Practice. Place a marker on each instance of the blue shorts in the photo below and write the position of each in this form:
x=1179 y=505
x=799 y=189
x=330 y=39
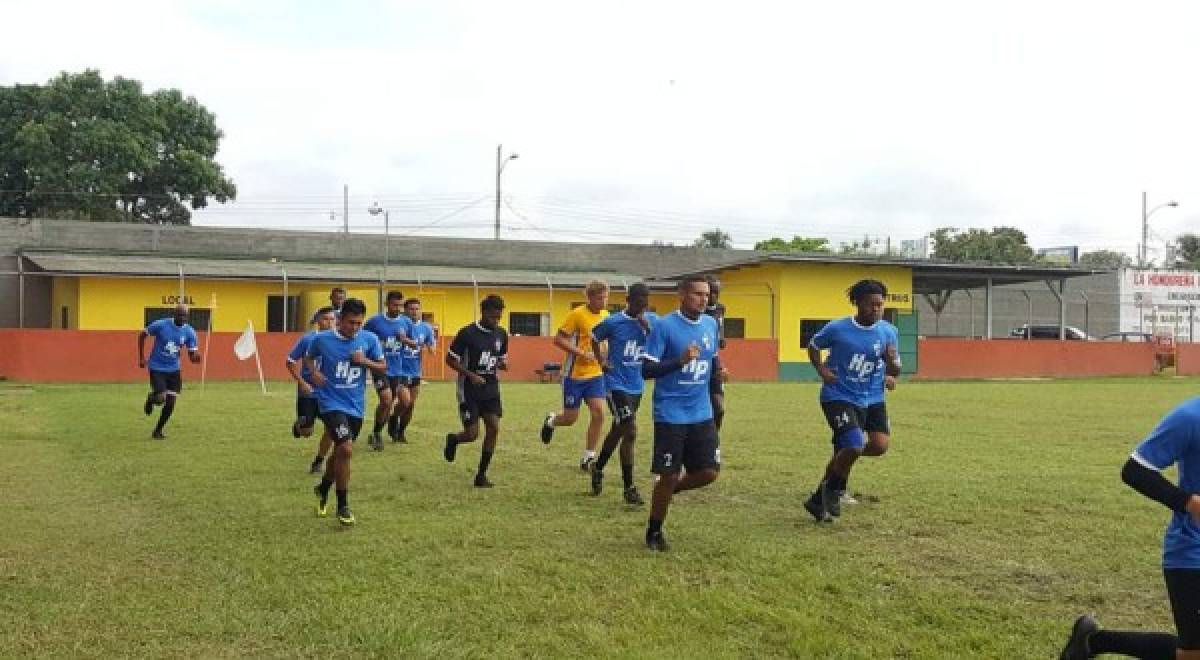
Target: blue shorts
x=575 y=392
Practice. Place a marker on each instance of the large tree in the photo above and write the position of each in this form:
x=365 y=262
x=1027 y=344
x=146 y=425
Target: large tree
x=797 y=244
x=1189 y=250
x=714 y=238
x=1002 y=245
x=80 y=147
x=1106 y=259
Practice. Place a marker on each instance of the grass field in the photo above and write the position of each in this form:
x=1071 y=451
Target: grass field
x=1000 y=516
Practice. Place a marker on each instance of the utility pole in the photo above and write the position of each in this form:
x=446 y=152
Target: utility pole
x=1145 y=233
x=346 y=208
x=501 y=161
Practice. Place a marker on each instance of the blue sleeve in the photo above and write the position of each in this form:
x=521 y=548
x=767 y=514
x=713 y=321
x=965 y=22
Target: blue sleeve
x=603 y=330
x=374 y=348
x=153 y=328
x=191 y=338
x=825 y=336
x=371 y=325
x=406 y=328
x=430 y=339
x=299 y=349
x=656 y=343
x=1169 y=441
x=311 y=349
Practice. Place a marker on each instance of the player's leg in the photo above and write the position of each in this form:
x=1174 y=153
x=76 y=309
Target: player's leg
x=667 y=461
x=402 y=401
x=346 y=432
x=628 y=443
x=848 y=442
x=323 y=447
x=414 y=391
x=595 y=403
x=716 y=396
x=616 y=432
x=158 y=389
x=174 y=384
x=572 y=399
x=382 y=411
x=468 y=411
x=491 y=433
x=1088 y=640
x=701 y=457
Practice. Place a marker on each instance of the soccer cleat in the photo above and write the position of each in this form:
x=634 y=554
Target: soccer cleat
x=816 y=508
x=597 y=481
x=345 y=516
x=585 y=464
x=375 y=440
x=158 y=435
x=846 y=498
x=317 y=464
x=1077 y=644
x=481 y=481
x=451 y=447
x=322 y=502
x=149 y=407
x=394 y=435
x=548 y=428
x=633 y=497
x=657 y=542
x=831 y=499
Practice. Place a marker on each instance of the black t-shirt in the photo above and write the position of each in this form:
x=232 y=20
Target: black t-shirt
x=717 y=311
x=479 y=350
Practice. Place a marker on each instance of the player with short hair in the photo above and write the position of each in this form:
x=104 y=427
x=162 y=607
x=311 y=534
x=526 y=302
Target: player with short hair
x=171 y=335
x=392 y=328
x=337 y=360
x=716 y=385
x=625 y=335
x=337 y=296
x=477 y=352
x=306 y=399
x=1174 y=441
x=583 y=378
x=863 y=361
x=679 y=355
x=421 y=339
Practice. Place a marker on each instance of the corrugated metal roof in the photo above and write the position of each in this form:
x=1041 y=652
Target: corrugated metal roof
x=143 y=266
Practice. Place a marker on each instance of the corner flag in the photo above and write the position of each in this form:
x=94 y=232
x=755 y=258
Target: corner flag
x=246 y=346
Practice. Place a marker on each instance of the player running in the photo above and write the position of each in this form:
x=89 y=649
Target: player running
x=862 y=362
x=716 y=385
x=478 y=351
x=421 y=339
x=306 y=398
x=679 y=354
x=337 y=361
x=625 y=333
x=166 y=381
x=392 y=328
x=583 y=378
x=1175 y=441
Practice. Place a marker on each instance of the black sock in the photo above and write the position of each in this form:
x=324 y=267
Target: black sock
x=627 y=474
x=653 y=528
x=379 y=424
x=168 y=408
x=485 y=459
x=343 y=498
x=391 y=424
x=325 y=486
x=1146 y=645
x=402 y=423
x=838 y=484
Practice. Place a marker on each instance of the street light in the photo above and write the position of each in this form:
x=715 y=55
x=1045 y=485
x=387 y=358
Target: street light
x=500 y=163
x=1146 y=226
x=376 y=209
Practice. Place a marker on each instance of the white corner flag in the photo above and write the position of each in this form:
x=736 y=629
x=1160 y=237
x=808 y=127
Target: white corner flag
x=245 y=346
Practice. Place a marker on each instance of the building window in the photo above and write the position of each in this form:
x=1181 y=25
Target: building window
x=808 y=328
x=275 y=320
x=197 y=316
x=65 y=318
x=528 y=324
x=735 y=328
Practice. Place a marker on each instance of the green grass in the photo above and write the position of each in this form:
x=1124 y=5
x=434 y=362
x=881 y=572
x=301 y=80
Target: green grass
x=1000 y=516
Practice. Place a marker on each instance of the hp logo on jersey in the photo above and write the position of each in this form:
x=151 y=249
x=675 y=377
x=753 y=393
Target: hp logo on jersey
x=171 y=348
x=487 y=361
x=860 y=368
x=694 y=372
x=347 y=373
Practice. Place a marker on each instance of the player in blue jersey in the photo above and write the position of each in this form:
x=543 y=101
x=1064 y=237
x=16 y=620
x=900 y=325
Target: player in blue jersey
x=625 y=335
x=392 y=328
x=1175 y=441
x=306 y=398
x=679 y=355
x=421 y=339
x=862 y=362
x=166 y=382
x=477 y=352
x=338 y=361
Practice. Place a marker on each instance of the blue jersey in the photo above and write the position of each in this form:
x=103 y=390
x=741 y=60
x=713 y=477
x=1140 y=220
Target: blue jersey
x=297 y=355
x=681 y=397
x=410 y=358
x=626 y=348
x=387 y=330
x=1176 y=440
x=856 y=358
x=344 y=380
x=169 y=340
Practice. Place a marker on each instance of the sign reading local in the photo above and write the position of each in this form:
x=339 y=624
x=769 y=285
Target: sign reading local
x=177 y=300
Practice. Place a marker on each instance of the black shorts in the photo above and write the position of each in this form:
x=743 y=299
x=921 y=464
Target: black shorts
x=1183 y=588
x=842 y=415
x=306 y=411
x=471 y=408
x=392 y=383
x=623 y=406
x=166 y=381
x=715 y=385
x=409 y=381
x=691 y=446
x=341 y=427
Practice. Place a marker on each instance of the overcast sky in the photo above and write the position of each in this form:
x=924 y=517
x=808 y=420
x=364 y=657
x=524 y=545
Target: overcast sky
x=644 y=121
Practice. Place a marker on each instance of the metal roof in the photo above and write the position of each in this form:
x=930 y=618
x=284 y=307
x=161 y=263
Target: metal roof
x=94 y=265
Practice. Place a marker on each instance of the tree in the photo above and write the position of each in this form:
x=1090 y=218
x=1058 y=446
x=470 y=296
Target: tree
x=714 y=238
x=1189 y=250
x=1003 y=245
x=797 y=244
x=1106 y=259
x=79 y=147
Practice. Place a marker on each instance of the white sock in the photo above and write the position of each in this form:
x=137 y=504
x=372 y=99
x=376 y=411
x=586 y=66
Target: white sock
x=588 y=453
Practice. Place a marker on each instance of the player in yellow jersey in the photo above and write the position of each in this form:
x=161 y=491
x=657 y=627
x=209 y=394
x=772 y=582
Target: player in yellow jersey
x=583 y=375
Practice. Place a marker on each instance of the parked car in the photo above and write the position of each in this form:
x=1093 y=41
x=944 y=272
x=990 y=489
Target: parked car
x=1027 y=331
x=1139 y=337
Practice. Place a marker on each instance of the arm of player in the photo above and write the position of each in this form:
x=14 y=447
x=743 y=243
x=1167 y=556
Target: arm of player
x=891 y=360
x=142 y=349
x=361 y=359
x=719 y=370
x=456 y=364
x=318 y=378
x=652 y=368
x=300 y=382
x=562 y=341
x=1150 y=483
x=826 y=374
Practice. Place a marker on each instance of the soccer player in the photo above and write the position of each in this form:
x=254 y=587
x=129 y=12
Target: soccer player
x=306 y=398
x=337 y=296
x=583 y=378
x=625 y=333
x=337 y=361
x=1175 y=441
x=716 y=385
x=478 y=351
x=166 y=382
x=862 y=361
x=392 y=328
x=679 y=354
x=421 y=339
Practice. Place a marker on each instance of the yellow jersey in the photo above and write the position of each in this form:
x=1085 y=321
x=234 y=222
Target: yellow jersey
x=578 y=326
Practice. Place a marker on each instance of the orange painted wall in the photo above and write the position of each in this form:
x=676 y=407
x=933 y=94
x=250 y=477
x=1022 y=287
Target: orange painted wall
x=111 y=356
x=1187 y=359
x=948 y=359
